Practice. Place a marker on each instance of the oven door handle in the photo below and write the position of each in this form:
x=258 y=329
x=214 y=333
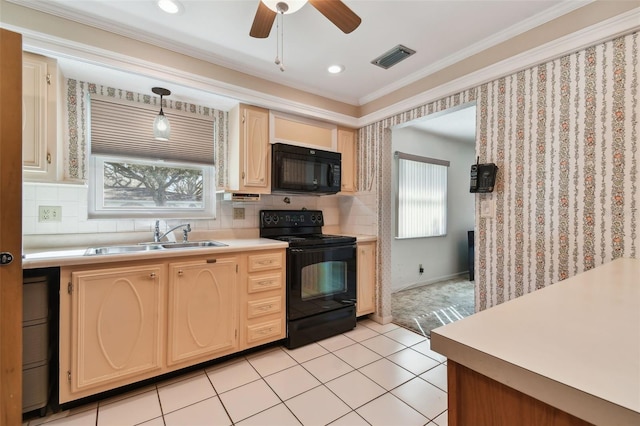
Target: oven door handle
x=327 y=247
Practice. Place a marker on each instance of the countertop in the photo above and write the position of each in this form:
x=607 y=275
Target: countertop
x=75 y=256
x=574 y=345
x=69 y=256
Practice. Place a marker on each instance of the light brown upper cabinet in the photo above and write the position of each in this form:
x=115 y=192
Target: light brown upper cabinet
x=347 y=147
x=302 y=131
x=249 y=150
x=39 y=119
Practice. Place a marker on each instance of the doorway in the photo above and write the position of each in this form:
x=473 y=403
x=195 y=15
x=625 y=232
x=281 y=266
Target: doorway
x=431 y=283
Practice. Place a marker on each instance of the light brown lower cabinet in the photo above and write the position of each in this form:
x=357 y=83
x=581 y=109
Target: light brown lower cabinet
x=263 y=299
x=366 y=278
x=124 y=322
x=112 y=327
x=203 y=309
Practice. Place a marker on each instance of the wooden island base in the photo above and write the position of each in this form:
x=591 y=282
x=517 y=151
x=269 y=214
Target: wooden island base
x=475 y=399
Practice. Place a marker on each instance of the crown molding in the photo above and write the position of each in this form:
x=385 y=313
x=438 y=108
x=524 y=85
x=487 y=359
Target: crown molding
x=504 y=35
x=606 y=30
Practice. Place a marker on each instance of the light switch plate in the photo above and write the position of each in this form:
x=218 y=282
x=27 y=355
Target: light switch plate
x=49 y=213
x=487 y=208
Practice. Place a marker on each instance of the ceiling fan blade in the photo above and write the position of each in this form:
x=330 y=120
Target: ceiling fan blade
x=338 y=13
x=262 y=22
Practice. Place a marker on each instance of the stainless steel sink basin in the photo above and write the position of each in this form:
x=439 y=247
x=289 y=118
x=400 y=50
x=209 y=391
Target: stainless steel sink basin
x=193 y=244
x=94 y=251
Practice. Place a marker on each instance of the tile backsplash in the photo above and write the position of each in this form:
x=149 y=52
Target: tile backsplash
x=352 y=214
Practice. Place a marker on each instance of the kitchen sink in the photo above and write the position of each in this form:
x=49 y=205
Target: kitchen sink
x=92 y=251
x=193 y=244
x=137 y=248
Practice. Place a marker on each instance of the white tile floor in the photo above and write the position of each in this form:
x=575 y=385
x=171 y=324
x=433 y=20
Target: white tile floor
x=373 y=375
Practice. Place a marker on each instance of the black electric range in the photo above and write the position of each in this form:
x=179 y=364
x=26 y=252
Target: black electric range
x=321 y=275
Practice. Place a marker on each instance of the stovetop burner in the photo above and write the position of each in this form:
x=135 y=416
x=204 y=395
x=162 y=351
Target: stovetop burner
x=298 y=227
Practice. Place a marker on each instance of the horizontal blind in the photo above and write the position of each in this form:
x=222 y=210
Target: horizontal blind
x=422 y=197
x=127 y=130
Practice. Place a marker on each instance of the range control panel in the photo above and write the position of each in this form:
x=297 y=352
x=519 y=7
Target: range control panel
x=290 y=218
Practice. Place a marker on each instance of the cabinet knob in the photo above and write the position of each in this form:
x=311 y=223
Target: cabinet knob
x=180 y=273
x=152 y=275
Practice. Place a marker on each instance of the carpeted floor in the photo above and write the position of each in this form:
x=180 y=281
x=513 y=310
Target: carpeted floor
x=427 y=307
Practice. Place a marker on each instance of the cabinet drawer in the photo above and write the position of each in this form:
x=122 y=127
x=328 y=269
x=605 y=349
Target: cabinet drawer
x=35 y=388
x=258 y=308
x=264 y=282
x=266 y=261
x=34 y=300
x=35 y=344
x=264 y=330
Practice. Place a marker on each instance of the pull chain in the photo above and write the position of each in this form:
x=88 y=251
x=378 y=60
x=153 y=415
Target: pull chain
x=280 y=41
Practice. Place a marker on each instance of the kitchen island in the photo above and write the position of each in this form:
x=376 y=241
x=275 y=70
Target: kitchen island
x=568 y=354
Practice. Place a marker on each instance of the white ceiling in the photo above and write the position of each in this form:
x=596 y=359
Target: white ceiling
x=459 y=124
x=442 y=33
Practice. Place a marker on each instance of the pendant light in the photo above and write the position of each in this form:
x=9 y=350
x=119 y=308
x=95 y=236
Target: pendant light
x=161 y=126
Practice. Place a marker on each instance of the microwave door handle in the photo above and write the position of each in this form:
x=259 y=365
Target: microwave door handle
x=330 y=177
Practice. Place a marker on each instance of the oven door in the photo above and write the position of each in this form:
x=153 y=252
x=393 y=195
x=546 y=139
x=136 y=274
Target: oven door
x=320 y=279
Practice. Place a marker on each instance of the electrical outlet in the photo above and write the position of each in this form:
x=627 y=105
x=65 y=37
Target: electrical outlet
x=238 y=213
x=49 y=213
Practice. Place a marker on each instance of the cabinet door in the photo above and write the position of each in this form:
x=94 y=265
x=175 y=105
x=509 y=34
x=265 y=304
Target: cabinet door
x=117 y=325
x=347 y=147
x=256 y=170
x=39 y=79
x=366 y=278
x=203 y=310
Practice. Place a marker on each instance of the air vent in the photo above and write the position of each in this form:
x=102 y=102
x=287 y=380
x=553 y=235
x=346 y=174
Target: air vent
x=393 y=56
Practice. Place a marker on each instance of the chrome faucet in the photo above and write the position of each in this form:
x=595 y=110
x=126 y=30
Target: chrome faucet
x=185 y=232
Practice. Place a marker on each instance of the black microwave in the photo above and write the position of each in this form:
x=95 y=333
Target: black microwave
x=296 y=169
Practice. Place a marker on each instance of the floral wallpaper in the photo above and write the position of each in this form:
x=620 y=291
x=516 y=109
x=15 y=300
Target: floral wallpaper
x=564 y=135
x=76 y=149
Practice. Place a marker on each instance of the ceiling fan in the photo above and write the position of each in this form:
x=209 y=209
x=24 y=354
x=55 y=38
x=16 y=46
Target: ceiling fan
x=334 y=10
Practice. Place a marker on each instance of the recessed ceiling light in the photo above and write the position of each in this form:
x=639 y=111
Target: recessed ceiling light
x=170 y=6
x=335 y=69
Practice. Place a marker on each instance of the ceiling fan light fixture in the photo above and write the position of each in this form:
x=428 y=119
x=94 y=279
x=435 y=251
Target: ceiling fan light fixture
x=170 y=6
x=161 y=126
x=284 y=6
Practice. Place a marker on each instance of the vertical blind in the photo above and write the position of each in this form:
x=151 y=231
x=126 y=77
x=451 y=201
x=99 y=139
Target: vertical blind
x=422 y=196
x=127 y=130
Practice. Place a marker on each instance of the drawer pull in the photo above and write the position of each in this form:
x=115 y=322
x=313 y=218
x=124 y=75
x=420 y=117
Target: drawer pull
x=264 y=282
x=266 y=262
x=212 y=260
x=265 y=330
x=265 y=307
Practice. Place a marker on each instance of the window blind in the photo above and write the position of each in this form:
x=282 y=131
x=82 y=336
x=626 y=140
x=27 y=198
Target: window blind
x=127 y=130
x=422 y=196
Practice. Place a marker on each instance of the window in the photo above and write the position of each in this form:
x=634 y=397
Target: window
x=138 y=188
x=133 y=175
x=422 y=196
